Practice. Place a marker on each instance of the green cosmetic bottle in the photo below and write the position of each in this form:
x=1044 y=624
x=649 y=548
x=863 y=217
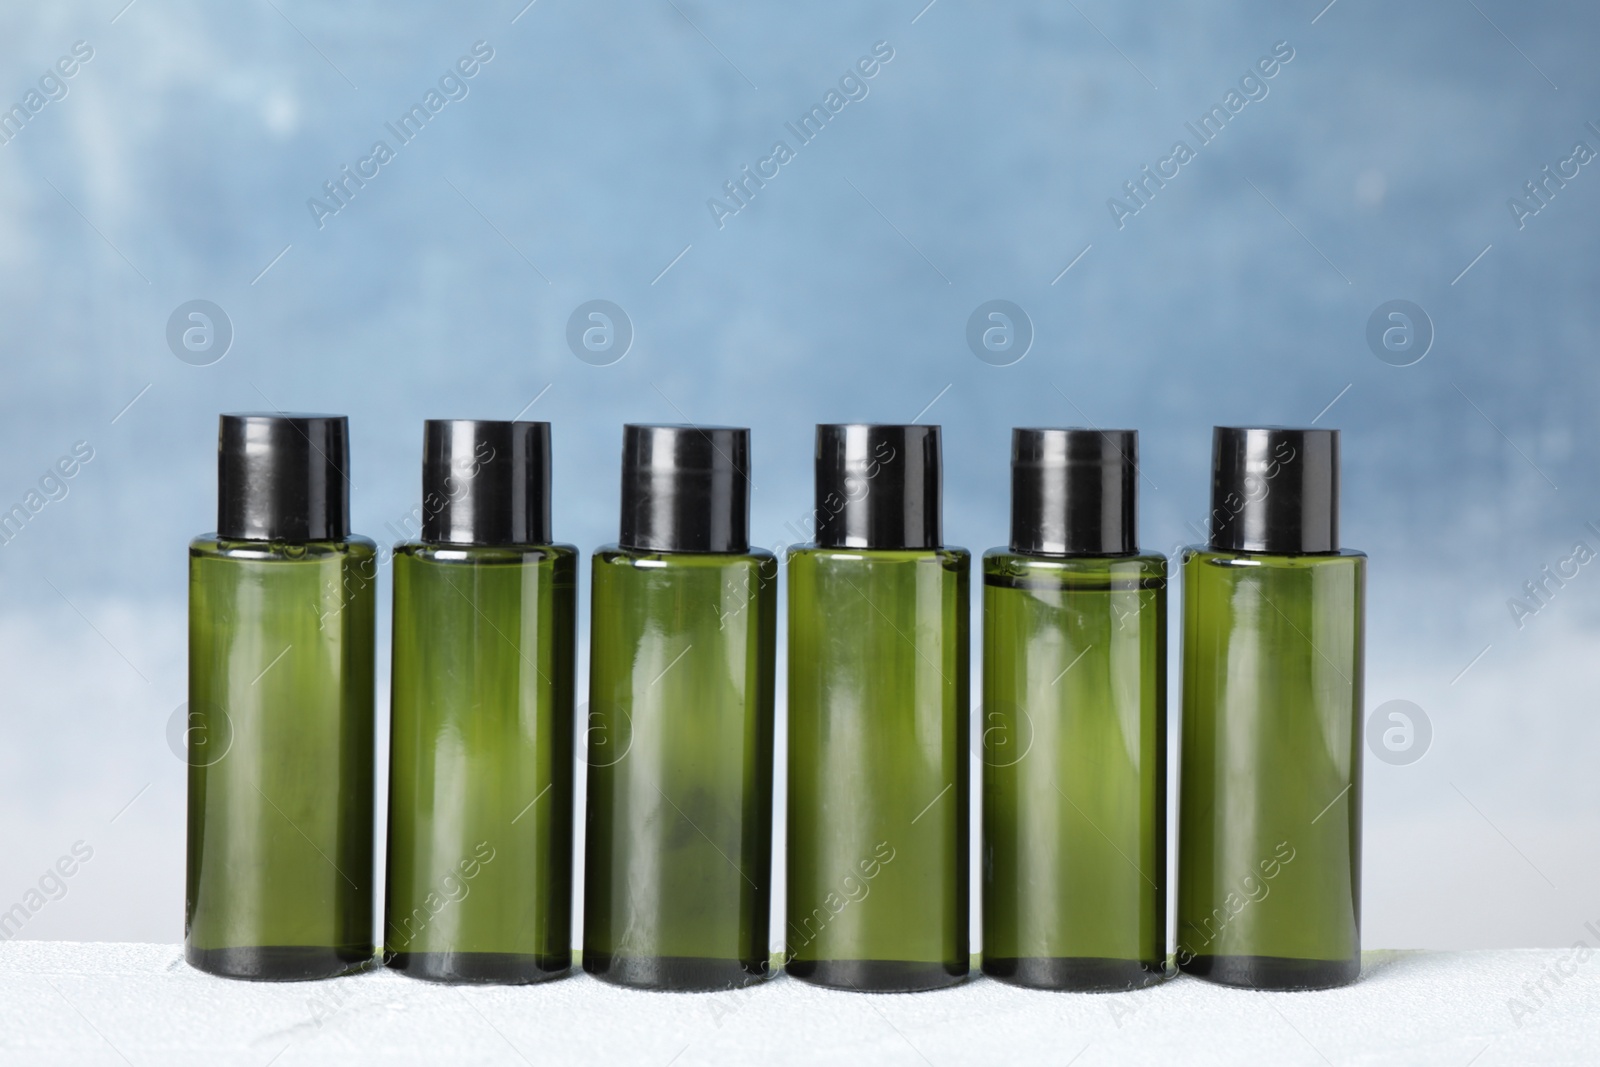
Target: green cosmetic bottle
x=1269 y=814
x=878 y=725
x=678 y=848
x=1074 y=723
x=280 y=863
x=479 y=885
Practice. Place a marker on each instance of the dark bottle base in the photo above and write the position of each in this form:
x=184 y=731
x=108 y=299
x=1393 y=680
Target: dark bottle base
x=279 y=963
x=1079 y=974
x=688 y=974
x=1273 y=972
x=489 y=968
x=879 y=976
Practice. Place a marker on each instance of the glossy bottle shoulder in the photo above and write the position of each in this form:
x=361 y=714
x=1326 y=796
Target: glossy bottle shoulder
x=950 y=557
x=615 y=556
x=210 y=546
x=486 y=555
x=1204 y=556
x=1003 y=568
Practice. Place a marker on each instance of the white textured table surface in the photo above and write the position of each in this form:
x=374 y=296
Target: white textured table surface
x=73 y=1003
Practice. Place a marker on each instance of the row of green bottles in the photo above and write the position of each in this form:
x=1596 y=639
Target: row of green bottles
x=1268 y=876
x=679 y=727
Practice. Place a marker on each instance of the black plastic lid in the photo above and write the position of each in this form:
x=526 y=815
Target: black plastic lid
x=1274 y=489
x=685 y=489
x=1074 y=492
x=283 y=477
x=878 y=486
x=485 y=482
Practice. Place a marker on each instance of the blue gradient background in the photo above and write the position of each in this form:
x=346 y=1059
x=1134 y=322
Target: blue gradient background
x=579 y=165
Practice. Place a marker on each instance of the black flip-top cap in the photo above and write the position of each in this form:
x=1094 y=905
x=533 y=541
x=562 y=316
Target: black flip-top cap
x=1274 y=489
x=485 y=482
x=1074 y=492
x=685 y=489
x=283 y=477
x=878 y=486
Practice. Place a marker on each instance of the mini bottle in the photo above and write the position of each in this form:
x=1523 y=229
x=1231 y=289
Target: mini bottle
x=479 y=885
x=1269 y=813
x=280 y=738
x=878 y=701
x=1074 y=723
x=678 y=848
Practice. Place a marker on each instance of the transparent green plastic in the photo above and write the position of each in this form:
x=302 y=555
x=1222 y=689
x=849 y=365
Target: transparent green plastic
x=878 y=804
x=479 y=885
x=678 y=854
x=1075 y=770
x=1269 y=828
x=280 y=742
